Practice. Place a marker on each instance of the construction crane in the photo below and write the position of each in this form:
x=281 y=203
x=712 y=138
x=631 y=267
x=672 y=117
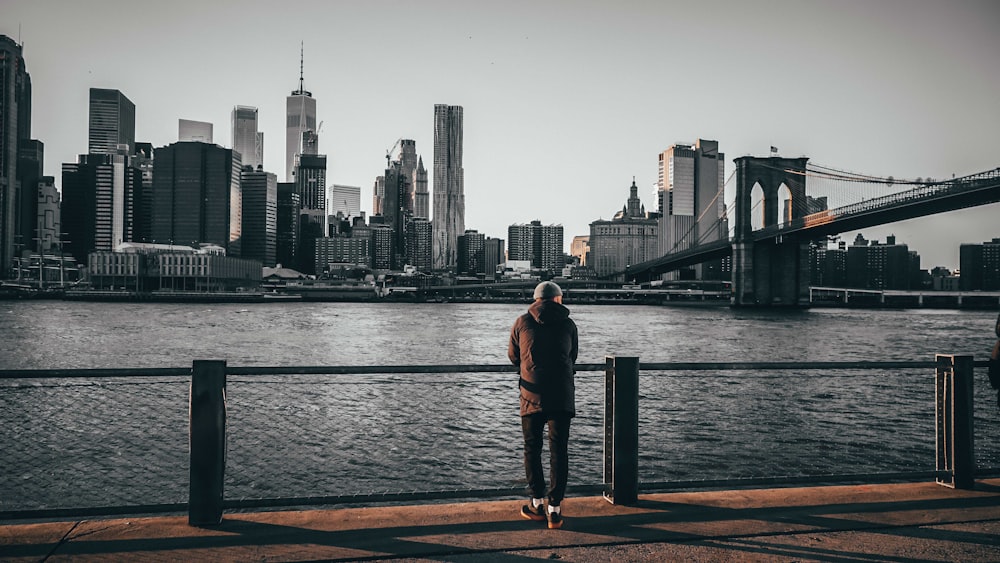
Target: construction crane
x=388 y=152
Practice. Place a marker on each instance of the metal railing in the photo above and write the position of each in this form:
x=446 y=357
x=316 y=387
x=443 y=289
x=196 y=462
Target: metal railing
x=208 y=432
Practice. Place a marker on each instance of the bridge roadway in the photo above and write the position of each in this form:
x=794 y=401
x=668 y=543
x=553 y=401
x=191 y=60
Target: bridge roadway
x=909 y=522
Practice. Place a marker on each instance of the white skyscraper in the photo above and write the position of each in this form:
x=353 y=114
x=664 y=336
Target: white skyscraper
x=247 y=140
x=300 y=123
x=190 y=130
x=345 y=200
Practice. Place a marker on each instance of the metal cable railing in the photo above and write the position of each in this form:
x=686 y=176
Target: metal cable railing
x=311 y=380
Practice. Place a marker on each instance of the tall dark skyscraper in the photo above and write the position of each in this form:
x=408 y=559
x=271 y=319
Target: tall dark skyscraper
x=196 y=195
x=99 y=194
x=260 y=215
x=15 y=129
x=449 y=185
x=112 y=121
x=289 y=206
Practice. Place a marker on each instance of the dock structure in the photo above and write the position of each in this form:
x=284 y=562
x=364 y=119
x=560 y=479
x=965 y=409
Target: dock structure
x=891 y=522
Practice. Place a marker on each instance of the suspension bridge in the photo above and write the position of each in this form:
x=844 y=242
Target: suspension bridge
x=774 y=221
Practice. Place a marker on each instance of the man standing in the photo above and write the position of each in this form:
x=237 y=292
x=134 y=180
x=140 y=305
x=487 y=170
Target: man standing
x=543 y=345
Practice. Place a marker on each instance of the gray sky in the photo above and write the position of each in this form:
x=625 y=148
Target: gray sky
x=564 y=101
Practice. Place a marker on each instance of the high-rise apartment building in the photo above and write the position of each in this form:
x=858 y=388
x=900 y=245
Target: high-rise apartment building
x=979 y=265
x=691 y=201
x=112 y=121
x=198 y=131
x=542 y=245
x=419 y=243
x=247 y=140
x=873 y=265
x=630 y=237
x=345 y=201
x=99 y=190
x=15 y=128
x=142 y=158
x=300 y=123
x=197 y=196
x=260 y=215
x=470 y=252
x=449 y=185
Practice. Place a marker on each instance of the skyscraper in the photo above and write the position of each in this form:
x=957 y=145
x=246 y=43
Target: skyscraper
x=630 y=237
x=449 y=185
x=247 y=140
x=300 y=118
x=100 y=192
x=260 y=215
x=691 y=201
x=112 y=121
x=15 y=128
x=196 y=196
x=421 y=197
x=310 y=184
x=345 y=200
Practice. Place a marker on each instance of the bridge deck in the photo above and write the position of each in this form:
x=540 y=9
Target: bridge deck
x=911 y=522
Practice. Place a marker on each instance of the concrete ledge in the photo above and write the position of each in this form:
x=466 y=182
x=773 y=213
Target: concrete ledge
x=900 y=522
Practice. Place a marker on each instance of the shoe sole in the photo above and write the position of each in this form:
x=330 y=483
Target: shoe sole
x=533 y=517
x=555 y=525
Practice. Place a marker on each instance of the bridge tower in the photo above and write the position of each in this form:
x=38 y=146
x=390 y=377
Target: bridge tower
x=771 y=272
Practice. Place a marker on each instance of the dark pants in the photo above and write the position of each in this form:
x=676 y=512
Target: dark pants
x=532 y=425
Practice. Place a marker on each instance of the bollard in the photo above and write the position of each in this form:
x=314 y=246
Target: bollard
x=621 y=429
x=207 y=442
x=954 y=438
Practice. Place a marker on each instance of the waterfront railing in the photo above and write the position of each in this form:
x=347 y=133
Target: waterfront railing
x=629 y=434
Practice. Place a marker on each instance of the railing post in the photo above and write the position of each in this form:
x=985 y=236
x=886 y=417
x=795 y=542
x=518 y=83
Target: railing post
x=207 y=442
x=621 y=429
x=954 y=416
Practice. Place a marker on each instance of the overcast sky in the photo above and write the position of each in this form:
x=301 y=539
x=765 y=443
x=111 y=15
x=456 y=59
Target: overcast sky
x=564 y=101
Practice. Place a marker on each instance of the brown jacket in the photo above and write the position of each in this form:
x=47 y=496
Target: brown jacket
x=544 y=345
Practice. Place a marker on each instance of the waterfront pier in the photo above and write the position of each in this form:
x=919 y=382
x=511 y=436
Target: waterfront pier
x=950 y=511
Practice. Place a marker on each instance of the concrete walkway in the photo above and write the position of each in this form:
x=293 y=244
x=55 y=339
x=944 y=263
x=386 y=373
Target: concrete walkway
x=914 y=522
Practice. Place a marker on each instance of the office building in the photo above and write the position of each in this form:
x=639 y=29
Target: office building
x=494 y=254
x=247 y=140
x=112 y=122
x=378 y=195
x=421 y=197
x=30 y=163
x=300 y=118
x=449 y=185
x=198 y=131
x=345 y=201
x=630 y=237
x=99 y=190
x=310 y=184
x=15 y=128
x=343 y=249
x=144 y=267
x=49 y=215
x=692 y=203
x=287 y=240
x=260 y=215
x=579 y=248
x=197 y=196
x=142 y=158
x=541 y=245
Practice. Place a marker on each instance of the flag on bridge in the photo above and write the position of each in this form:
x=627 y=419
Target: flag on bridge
x=774 y=149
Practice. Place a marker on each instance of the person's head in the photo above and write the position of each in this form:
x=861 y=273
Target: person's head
x=548 y=291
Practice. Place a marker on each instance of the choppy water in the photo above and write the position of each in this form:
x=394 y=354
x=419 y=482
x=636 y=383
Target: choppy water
x=124 y=441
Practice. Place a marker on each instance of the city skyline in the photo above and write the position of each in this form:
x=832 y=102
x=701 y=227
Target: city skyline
x=564 y=103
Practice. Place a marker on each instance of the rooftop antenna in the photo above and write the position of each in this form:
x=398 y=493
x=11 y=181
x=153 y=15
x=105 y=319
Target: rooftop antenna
x=302 y=59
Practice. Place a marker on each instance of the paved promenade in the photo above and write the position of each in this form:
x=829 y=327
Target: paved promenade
x=902 y=523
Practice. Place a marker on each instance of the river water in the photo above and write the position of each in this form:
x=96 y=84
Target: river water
x=123 y=441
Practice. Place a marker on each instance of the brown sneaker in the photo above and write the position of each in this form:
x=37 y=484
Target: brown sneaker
x=532 y=513
x=555 y=520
